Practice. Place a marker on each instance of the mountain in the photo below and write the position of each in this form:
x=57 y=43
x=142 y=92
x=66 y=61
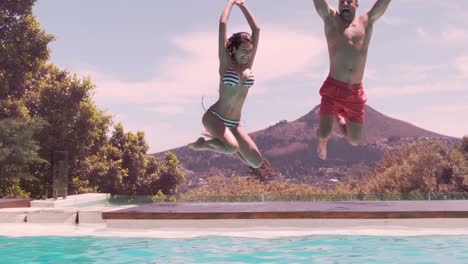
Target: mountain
x=290 y=147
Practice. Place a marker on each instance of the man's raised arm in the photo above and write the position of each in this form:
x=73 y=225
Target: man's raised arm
x=324 y=10
x=377 y=10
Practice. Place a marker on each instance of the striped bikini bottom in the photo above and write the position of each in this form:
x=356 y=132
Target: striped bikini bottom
x=227 y=122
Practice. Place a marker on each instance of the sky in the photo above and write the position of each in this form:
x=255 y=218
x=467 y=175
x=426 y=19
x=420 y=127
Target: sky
x=153 y=61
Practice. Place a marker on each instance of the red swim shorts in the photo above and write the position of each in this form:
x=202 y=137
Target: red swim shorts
x=339 y=98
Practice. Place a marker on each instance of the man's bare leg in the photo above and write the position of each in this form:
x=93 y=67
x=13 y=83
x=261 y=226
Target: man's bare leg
x=323 y=133
x=351 y=130
x=353 y=133
x=321 y=146
x=342 y=124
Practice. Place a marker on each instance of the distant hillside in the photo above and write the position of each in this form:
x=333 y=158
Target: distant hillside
x=290 y=147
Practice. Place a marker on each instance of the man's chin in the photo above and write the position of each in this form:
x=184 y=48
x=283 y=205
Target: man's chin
x=347 y=17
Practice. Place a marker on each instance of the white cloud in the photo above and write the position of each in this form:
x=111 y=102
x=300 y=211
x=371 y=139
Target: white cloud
x=120 y=117
x=370 y=74
x=421 y=32
x=441 y=5
x=414 y=72
x=109 y=89
x=285 y=51
x=444 y=122
x=165 y=109
x=448 y=108
x=318 y=73
x=454 y=35
x=423 y=88
x=181 y=78
x=190 y=70
x=255 y=126
x=162 y=136
x=461 y=63
x=392 y=20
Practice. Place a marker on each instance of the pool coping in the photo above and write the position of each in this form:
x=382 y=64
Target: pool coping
x=71 y=200
x=238 y=228
x=295 y=210
x=14 y=203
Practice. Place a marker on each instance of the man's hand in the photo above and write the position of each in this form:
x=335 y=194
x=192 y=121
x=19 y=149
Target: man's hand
x=239 y=2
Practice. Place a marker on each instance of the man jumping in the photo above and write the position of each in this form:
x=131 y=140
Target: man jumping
x=343 y=98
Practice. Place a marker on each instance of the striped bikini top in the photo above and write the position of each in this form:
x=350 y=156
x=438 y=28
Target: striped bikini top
x=231 y=78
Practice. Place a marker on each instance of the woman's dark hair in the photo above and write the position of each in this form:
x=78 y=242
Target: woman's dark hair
x=236 y=40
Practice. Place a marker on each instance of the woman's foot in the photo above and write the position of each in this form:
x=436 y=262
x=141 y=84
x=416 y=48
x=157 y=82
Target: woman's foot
x=207 y=134
x=197 y=145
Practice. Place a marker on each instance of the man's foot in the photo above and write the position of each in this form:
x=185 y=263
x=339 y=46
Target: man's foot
x=197 y=145
x=321 y=147
x=342 y=124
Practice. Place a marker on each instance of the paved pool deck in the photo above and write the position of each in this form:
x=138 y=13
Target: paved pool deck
x=246 y=219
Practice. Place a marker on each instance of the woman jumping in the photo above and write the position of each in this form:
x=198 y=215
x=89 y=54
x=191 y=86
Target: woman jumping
x=221 y=120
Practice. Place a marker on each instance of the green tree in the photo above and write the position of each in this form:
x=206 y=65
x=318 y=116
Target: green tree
x=74 y=122
x=133 y=150
x=70 y=121
x=428 y=167
x=464 y=146
x=117 y=165
x=23 y=49
x=121 y=167
x=219 y=188
x=170 y=174
x=149 y=184
x=101 y=172
x=18 y=152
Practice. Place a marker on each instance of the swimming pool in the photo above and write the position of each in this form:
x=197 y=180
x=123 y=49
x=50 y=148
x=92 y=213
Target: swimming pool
x=220 y=249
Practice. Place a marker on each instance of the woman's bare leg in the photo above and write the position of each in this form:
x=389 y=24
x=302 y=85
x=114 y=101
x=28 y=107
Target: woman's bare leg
x=248 y=151
x=223 y=140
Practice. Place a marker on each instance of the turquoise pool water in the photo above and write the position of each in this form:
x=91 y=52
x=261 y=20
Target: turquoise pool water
x=310 y=249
